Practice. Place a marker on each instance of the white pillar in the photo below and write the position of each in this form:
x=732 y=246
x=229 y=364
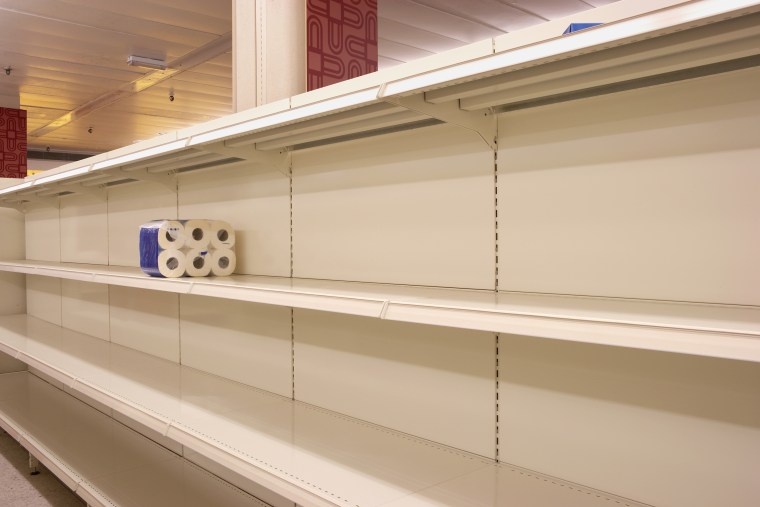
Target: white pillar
x=11 y=101
x=268 y=51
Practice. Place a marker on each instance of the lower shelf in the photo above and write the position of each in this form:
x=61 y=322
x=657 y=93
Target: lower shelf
x=308 y=455
x=104 y=462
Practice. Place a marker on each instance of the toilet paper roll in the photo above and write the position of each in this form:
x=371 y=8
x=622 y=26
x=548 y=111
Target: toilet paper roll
x=164 y=233
x=223 y=262
x=197 y=233
x=157 y=237
x=168 y=264
x=222 y=234
x=197 y=262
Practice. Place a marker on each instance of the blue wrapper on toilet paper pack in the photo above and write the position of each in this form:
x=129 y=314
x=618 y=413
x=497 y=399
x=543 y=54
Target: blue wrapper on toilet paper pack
x=160 y=248
x=196 y=247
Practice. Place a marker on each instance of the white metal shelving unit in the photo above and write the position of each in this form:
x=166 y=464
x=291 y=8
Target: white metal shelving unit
x=310 y=455
x=453 y=344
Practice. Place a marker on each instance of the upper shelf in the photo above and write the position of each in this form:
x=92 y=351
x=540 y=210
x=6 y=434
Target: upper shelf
x=465 y=87
x=731 y=332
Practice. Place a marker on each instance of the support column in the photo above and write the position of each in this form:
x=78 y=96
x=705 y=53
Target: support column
x=268 y=51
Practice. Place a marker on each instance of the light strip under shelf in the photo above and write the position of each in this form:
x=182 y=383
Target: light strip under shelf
x=63 y=175
x=16 y=188
x=142 y=154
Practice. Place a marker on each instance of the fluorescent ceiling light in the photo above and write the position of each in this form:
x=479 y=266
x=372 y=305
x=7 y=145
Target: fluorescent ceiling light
x=62 y=176
x=142 y=154
x=298 y=113
x=144 y=61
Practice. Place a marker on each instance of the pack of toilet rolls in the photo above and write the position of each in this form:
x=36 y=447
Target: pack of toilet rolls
x=174 y=248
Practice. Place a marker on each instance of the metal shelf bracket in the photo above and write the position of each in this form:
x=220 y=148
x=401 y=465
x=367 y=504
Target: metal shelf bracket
x=277 y=160
x=166 y=179
x=97 y=191
x=483 y=122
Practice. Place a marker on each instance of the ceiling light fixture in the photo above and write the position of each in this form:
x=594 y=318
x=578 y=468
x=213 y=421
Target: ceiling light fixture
x=137 y=155
x=144 y=61
x=62 y=175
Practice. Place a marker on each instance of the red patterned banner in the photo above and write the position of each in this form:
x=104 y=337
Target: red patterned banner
x=12 y=143
x=341 y=37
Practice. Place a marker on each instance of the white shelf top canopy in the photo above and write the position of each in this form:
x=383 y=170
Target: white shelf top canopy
x=633 y=48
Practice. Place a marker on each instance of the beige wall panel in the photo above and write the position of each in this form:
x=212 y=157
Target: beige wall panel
x=13 y=290
x=43 y=298
x=434 y=382
x=129 y=207
x=84 y=230
x=255 y=202
x=9 y=364
x=12 y=227
x=645 y=194
x=12 y=285
x=413 y=208
x=43 y=235
x=84 y=308
x=146 y=320
x=245 y=342
x=660 y=428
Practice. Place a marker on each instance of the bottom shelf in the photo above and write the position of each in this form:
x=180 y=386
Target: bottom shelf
x=307 y=455
x=104 y=462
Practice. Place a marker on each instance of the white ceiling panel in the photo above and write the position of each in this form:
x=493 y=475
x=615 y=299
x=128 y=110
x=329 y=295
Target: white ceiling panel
x=94 y=17
x=210 y=16
x=599 y=3
x=552 y=9
x=435 y=19
x=496 y=15
x=405 y=33
x=399 y=51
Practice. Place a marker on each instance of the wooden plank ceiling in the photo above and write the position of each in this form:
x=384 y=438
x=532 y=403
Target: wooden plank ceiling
x=69 y=57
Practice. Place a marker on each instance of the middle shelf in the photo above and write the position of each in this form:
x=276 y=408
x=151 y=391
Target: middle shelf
x=309 y=455
x=724 y=331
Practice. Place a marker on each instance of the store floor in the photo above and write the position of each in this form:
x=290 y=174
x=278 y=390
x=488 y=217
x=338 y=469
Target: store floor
x=20 y=489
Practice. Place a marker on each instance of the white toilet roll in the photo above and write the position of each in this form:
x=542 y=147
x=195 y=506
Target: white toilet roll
x=197 y=262
x=223 y=262
x=222 y=234
x=171 y=263
x=166 y=233
x=197 y=233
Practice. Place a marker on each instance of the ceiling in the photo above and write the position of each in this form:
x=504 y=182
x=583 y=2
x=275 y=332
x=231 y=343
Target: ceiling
x=69 y=70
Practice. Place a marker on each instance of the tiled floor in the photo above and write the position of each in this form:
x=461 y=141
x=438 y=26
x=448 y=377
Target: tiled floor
x=20 y=489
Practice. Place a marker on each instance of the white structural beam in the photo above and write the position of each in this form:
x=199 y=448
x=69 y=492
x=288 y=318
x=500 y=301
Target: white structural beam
x=268 y=51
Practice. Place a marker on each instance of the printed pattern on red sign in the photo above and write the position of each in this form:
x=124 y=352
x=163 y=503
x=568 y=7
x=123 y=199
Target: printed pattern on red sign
x=341 y=38
x=12 y=143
